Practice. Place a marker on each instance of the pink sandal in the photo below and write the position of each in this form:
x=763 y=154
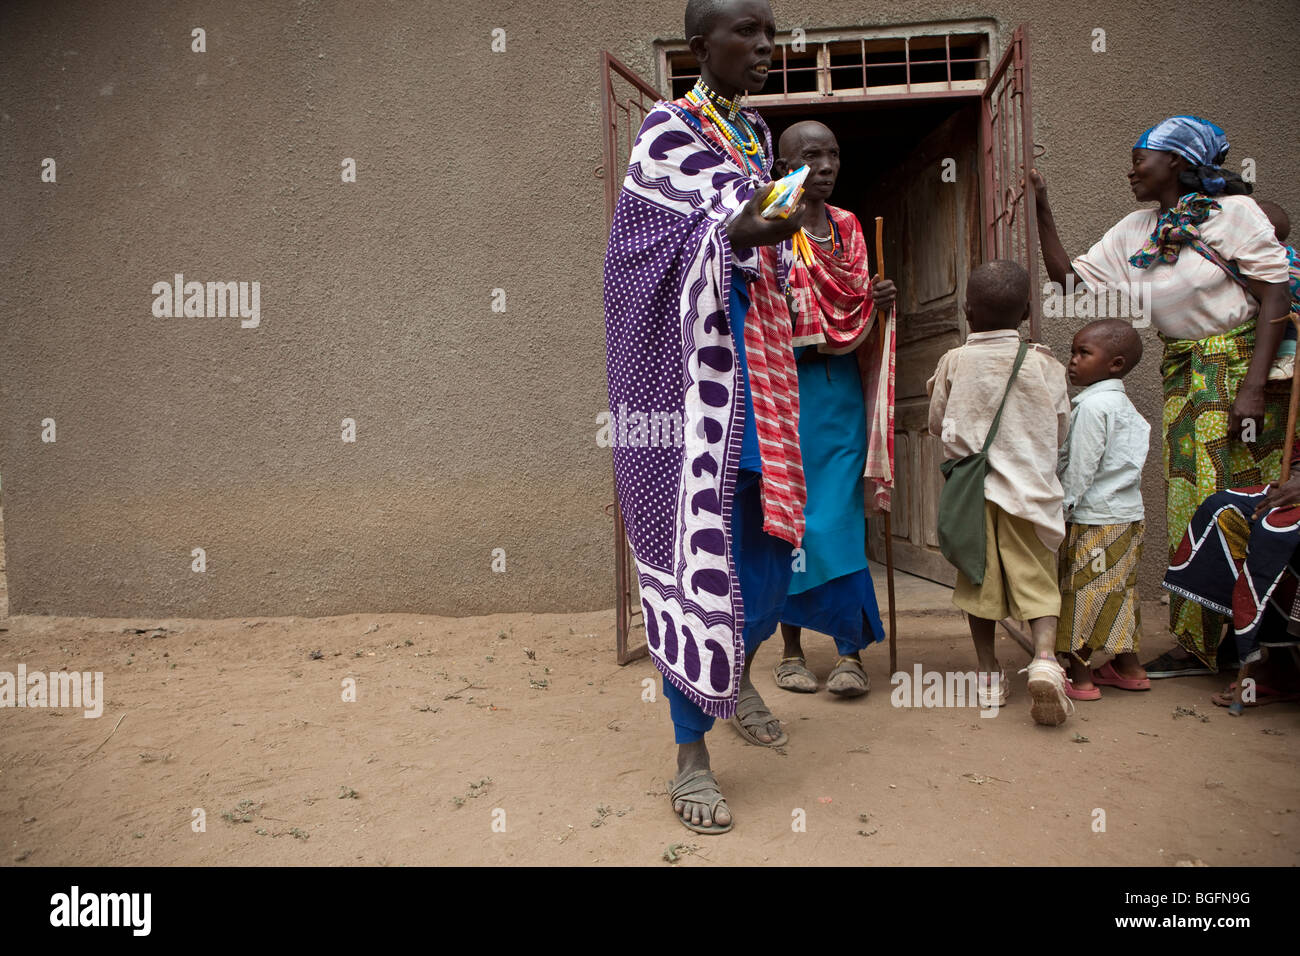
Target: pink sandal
x=1093 y=693
x=1107 y=676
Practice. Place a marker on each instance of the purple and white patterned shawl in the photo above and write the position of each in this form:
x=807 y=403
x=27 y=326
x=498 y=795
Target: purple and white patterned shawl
x=671 y=358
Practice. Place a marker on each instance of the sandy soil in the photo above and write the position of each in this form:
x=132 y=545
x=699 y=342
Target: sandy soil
x=526 y=720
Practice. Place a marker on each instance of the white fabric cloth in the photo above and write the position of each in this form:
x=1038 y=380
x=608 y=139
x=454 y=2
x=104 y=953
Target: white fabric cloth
x=1192 y=298
x=1100 y=466
x=964 y=394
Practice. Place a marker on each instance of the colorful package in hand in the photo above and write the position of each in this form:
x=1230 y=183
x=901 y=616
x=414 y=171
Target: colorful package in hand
x=785 y=195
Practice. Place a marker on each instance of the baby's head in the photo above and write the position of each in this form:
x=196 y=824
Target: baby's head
x=997 y=296
x=1278 y=217
x=1107 y=348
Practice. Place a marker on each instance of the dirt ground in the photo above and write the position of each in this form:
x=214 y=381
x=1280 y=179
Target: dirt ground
x=517 y=739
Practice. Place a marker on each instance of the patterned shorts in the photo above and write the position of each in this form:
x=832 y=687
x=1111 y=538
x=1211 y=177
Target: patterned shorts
x=1099 y=599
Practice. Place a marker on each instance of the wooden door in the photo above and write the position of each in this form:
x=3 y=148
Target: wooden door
x=946 y=229
x=931 y=198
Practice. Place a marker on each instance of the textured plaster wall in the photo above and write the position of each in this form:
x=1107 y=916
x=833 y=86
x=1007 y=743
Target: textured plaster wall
x=476 y=171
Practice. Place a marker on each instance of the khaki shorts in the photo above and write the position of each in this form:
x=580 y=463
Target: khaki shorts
x=1019 y=573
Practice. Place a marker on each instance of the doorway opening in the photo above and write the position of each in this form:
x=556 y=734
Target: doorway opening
x=914 y=162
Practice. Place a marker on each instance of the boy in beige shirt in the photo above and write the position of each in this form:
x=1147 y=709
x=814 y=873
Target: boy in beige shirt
x=1023 y=517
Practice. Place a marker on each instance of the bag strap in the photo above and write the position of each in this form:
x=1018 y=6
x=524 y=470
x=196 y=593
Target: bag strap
x=1209 y=252
x=997 y=419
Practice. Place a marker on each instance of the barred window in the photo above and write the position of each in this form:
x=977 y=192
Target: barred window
x=862 y=64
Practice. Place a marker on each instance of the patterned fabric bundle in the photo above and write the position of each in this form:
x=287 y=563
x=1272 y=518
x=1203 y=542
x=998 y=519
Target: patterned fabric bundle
x=1201 y=378
x=1235 y=567
x=1099 y=599
x=1284 y=364
x=1177 y=227
x=1293 y=277
x=671 y=355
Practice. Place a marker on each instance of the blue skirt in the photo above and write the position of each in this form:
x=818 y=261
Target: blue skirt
x=843 y=607
x=833 y=445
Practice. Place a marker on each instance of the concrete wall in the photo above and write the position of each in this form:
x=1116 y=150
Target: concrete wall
x=475 y=429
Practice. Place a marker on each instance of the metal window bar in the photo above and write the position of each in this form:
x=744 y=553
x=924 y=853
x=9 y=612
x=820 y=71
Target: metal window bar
x=681 y=68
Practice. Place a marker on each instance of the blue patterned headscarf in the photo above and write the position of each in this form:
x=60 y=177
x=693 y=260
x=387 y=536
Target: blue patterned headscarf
x=1198 y=141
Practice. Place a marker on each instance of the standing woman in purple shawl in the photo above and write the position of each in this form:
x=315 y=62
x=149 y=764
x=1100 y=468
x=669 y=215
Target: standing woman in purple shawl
x=714 y=509
x=1214 y=282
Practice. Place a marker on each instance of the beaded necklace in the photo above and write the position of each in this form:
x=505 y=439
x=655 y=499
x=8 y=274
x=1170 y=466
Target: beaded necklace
x=705 y=92
x=803 y=248
x=747 y=146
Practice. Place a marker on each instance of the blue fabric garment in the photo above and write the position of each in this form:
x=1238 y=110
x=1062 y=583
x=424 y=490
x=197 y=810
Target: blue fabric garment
x=833 y=593
x=739 y=308
x=833 y=443
x=1197 y=140
x=763 y=567
x=844 y=607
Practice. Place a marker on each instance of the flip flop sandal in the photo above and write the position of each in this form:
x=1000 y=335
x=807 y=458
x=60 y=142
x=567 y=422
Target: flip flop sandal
x=856 y=682
x=793 y=674
x=1075 y=693
x=696 y=788
x=1263 y=695
x=1107 y=676
x=752 y=715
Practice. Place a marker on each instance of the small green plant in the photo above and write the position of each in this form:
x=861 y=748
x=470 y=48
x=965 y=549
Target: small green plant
x=242 y=812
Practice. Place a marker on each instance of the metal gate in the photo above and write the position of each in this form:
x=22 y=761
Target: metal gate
x=1008 y=152
x=625 y=100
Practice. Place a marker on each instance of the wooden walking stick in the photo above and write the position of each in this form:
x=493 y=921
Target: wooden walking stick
x=889 y=531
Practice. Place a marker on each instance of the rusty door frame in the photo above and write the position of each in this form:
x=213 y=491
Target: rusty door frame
x=611 y=110
x=1007 y=152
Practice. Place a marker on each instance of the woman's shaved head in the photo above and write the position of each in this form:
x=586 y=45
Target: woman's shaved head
x=793 y=138
x=701 y=15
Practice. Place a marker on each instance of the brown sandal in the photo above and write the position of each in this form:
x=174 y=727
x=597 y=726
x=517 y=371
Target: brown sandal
x=752 y=716
x=855 y=683
x=793 y=674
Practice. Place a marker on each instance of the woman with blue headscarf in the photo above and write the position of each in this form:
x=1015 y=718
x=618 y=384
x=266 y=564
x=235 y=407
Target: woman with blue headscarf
x=1214 y=281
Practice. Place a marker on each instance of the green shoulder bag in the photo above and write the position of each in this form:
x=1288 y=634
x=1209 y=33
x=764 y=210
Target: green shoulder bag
x=961 y=503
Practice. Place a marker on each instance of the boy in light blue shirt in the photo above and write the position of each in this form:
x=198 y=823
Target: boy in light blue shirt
x=1100 y=468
